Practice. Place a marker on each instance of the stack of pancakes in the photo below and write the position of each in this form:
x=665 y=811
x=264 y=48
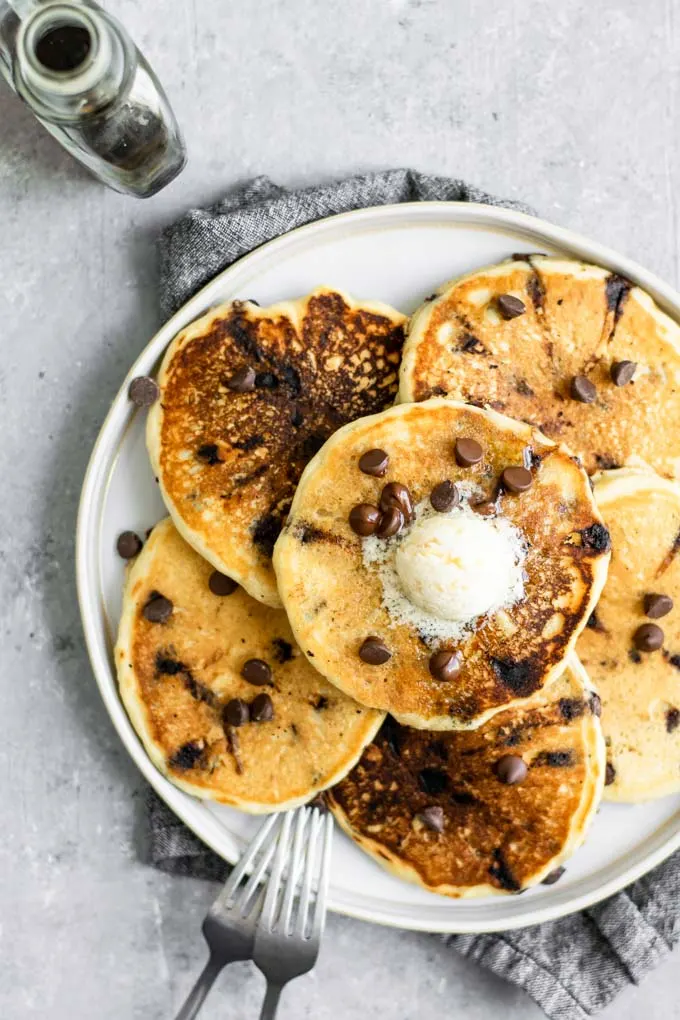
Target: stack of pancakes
x=270 y=647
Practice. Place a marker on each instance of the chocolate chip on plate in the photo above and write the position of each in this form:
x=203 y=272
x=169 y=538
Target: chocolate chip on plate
x=553 y=876
x=257 y=672
x=517 y=479
x=243 y=380
x=220 y=584
x=128 y=544
x=510 y=306
x=262 y=708
x=374 y=651
x=236 y=712
x=445 y=665
x=622 y=372
x=143 y=391
x=158 y=609
x=656 y=605
x=432 y=818
x=374 y=462
x=395 y=494
x=364 y=518
x=511 y=769
x=583 y=390
x=648 y=638
x=444 y=497
x=468 y=452
x=391 y=522
x=609 y=774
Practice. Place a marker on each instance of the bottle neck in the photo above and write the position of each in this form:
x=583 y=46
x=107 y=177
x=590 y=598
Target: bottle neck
x=71 y=61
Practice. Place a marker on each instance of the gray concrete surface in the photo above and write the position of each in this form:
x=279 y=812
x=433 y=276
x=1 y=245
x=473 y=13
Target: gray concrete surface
x=570 y=106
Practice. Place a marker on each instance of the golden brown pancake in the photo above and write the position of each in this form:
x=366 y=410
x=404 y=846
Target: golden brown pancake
x=336 y=598
x=578 y=320
x=228 y=461
x=176 y=678
x=494 y=838
x=640 y=689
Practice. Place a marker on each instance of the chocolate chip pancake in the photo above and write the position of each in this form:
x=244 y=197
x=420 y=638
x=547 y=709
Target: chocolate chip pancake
x=248 y=395
x=492 y=810
x=439 y=561
x=572 y=348
x=631 y=647
x=222 y=699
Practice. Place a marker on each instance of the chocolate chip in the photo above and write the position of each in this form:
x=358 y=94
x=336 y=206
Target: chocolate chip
x=672 y=719
x=374 y=651
x=158 y=609
x=256 y=672
x=656 y=605
x=128 y=544
x=265 y=532
x=596 y=704
x=208 y=454
x=609 y=774
x=517 y=479
x=553 y=876
x=471 y=344
x=594 y=623
x=511 y=769
x=187 y=756
x=468 y=452
x=555 y=759
x=266 y=381
x=395 y=494
x=583 y=390
x=262 y=708
x=596 y=538
x=391 y=522
x=432 y=818
x=571 y=708
x=167 y=666
x=510 y=306
x=374 y=462
x=622 y=372
x=634 y=656
x=433 y=781
x=143 y=391
x=648 y=638
x=243 y=380
x=502 y=872
x=235 y=713
x=444 y=497
x=220 y=584
x=445 y=665
x=364 y=518
x=283 y=650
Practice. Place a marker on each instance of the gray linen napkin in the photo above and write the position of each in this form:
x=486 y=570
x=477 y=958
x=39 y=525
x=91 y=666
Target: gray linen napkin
x=572 y=967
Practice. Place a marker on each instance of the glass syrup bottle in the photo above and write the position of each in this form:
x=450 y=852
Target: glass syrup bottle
x=87 y=83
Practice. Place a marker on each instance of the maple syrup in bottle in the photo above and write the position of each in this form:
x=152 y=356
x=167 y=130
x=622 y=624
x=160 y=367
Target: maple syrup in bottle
x=82 y=76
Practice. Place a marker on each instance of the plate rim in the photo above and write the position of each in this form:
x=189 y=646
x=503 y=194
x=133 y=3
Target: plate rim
x=190 y=811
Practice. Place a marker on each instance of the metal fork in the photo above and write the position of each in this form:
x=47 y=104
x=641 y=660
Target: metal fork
x=229 y=926
x=288 y=932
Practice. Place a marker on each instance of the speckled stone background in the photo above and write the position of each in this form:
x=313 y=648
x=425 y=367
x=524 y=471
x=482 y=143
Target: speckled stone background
x=571 y=106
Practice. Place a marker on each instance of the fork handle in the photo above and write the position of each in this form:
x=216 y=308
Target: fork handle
x=271 y=1001
x=198 y=993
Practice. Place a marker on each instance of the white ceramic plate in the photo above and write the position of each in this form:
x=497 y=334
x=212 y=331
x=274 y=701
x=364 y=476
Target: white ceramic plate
x=397 y=254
